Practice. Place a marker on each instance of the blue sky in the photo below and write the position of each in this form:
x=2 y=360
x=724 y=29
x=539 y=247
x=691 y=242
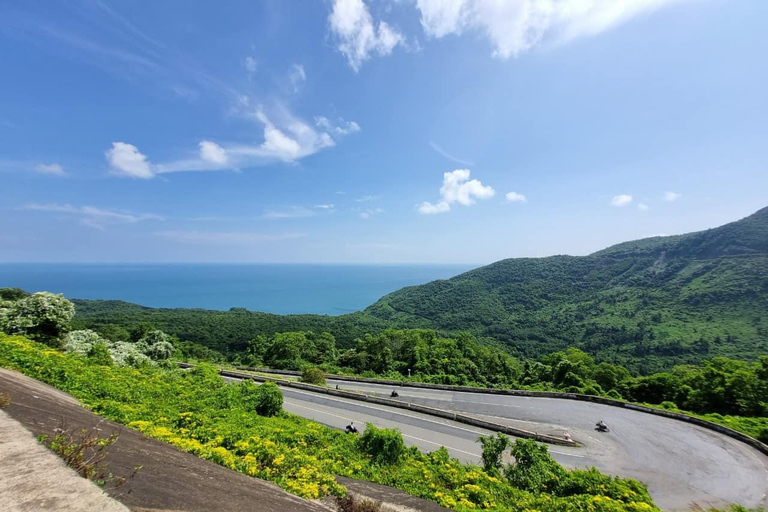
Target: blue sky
x=372 y=131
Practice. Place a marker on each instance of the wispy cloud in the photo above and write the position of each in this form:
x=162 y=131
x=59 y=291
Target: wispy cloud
x=367 y=214
x=357 y=36
x=93 y=216
x=621 y=200
x=457 y=188
x=366 y=199
x=671 y=196
x=642 y=207
x=515 y=27
x=294 y=212
x=225 y=237
x=449 y=156
x=55 y=169
x=297 y=76
x=329 y=206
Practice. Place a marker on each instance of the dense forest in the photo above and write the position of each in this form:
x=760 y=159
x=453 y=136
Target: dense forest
x=649 y=304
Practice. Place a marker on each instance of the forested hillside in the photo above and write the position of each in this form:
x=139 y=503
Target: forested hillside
x=647 y=304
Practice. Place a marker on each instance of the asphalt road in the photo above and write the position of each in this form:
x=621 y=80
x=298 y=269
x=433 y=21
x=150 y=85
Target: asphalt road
x=683 y=465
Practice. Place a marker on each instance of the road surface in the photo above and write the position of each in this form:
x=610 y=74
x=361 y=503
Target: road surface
x=684 y=465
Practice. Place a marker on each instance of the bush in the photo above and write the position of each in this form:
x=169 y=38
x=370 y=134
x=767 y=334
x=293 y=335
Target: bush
x=268 y=399
x=534 y=469
x=313 y=376
x=493 y=449
x=81 y=342
x=43 y=316
x=99 y=354
x=385 y=446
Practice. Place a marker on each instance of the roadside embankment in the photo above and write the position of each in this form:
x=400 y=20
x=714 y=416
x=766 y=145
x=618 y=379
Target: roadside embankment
x=33 y=478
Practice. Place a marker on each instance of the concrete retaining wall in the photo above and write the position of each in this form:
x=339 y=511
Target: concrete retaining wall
x=751 y=441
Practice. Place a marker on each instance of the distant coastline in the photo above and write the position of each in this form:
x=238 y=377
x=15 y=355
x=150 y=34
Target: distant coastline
x=331 y=289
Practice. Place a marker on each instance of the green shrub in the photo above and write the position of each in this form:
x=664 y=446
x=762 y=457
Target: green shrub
x=493 y=449
x=534 y=469
x=384 y=445
x=99 y=354
x=268 y=399
x=313 y=375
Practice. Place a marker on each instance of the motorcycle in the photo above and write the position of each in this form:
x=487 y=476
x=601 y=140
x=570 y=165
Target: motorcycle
x=351 y=429
x=394 y=394
x=601 y=427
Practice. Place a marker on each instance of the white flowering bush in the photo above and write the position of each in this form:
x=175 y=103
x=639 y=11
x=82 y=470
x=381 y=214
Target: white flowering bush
x=43 y=316
x=81 y=342
x=157 y=345
x=127 y=354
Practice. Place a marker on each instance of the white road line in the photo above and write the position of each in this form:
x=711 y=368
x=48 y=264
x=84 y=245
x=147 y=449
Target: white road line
x=391 y=411
x=404 y=435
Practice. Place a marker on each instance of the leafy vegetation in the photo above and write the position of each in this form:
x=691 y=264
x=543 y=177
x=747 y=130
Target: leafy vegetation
x=199 y=413
x=648 y=305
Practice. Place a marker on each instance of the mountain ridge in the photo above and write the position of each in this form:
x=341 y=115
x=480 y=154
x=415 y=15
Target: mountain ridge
x=685 y=296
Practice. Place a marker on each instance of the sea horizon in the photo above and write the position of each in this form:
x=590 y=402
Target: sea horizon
x=280 y=288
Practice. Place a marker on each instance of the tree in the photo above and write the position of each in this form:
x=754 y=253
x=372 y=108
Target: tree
x=43 y=316
x=268 y=399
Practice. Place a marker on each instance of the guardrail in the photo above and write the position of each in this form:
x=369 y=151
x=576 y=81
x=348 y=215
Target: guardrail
x=400 y=404
x=751 y=441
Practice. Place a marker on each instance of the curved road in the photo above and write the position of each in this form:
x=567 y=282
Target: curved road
x=684 y=465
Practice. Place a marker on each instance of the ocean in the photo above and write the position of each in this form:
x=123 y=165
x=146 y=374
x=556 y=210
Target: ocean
x=272 y=288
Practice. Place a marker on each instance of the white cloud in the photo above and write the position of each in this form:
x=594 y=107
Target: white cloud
x=457 y=188
x=671 y=196
x=358 y=37
x=54 y=169
x=513 y=27
x=514 y=197
x=295 y=212
x=621 y=200
x=223 y=237
x=428 y=208
x=325 y=206
x=93 y=216
x=297 y=76
x=343 y=128
x=367 y=214
x=366 y=199
x=126 y=160
x=642 y=206
x=213 y=153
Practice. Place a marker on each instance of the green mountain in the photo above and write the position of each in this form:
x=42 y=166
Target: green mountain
x=648 y=304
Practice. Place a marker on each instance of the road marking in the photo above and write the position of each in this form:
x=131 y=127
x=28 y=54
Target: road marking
x=415 y=415
x=404 y=435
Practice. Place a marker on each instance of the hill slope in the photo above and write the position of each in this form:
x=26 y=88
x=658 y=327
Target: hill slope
x=647 y=304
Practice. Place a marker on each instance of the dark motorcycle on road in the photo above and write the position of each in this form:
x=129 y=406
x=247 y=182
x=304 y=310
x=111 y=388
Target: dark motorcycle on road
x=600 y=426
x=394 y=394
x=351 y=428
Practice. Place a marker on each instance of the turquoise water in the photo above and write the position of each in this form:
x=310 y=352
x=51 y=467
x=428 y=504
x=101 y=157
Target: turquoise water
x=283 y=289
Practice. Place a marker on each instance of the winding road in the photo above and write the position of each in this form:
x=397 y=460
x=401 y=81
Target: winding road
x=684 y=465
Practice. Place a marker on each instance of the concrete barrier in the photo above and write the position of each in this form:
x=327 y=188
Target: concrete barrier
x=400 y=404
x=751 y=441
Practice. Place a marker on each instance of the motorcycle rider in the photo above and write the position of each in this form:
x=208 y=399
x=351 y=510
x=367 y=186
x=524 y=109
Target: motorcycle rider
x=601 y=425
x=351 y=428
x=394 y=394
